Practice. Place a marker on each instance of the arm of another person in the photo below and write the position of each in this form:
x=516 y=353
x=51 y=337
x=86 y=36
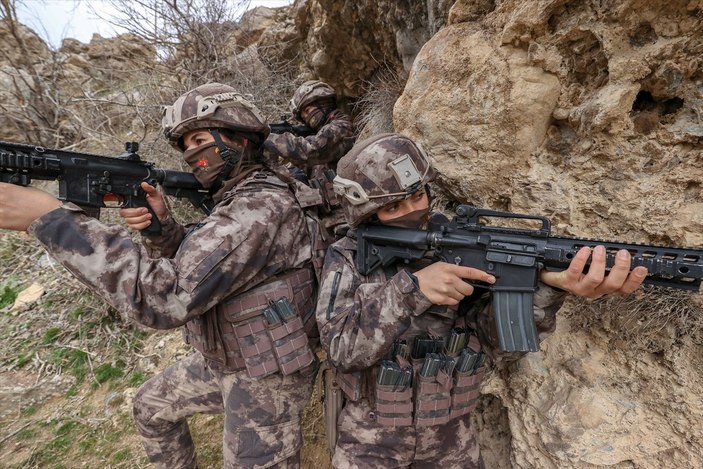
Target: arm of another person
x=328 y=145
x=251 y=238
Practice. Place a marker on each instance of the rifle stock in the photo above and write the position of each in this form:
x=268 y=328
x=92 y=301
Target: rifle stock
x=515 y=256
x=93 y=181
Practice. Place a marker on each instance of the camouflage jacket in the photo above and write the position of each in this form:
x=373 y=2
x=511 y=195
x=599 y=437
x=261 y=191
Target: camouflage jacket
x=256 y=232
x=359 y=316
x=327 y=146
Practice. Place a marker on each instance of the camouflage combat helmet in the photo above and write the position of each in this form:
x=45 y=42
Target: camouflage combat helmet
x=380 y=170
x=309 y=92
x=212 y=106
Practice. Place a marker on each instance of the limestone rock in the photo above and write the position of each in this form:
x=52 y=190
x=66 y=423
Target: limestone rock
x=590 y=116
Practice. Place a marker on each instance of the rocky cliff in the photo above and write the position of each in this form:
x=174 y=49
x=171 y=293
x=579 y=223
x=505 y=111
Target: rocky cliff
x=589 y=113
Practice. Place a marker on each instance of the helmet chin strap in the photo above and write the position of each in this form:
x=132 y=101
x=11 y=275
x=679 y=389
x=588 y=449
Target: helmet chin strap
x=230 y=156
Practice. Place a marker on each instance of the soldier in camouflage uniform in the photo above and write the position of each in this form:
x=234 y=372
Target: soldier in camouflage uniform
x=384 y=321
x=315 y=104
x=240 y=282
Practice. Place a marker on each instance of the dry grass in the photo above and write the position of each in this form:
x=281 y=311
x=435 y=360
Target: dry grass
x=64 y=362
x=374 y=110
x=651 y=319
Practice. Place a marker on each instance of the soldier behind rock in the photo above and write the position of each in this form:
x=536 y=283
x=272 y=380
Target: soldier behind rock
x=315 y=104
x=388 y=334
x=240 y=282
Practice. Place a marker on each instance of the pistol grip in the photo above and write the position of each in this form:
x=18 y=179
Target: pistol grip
x=155 y=228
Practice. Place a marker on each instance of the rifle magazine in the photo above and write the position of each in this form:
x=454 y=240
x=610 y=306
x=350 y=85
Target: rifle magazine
x=515 y=321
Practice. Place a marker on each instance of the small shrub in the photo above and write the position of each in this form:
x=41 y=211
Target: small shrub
x=8 y=295
x=106 y=372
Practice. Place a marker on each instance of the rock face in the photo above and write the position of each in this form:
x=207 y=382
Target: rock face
x=347 y=42
x=589 y=114
x=54 y=98
x=578 y=114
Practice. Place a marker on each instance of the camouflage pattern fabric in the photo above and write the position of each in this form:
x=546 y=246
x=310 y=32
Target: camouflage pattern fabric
x=257 y=231
x=262 y=418
x=326 y=147
x=359 y=317
x=363 y=443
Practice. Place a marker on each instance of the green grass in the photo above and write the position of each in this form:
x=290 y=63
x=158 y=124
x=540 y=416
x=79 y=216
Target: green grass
x=107 y=372
x=75 y=361
x=27 y=434
x=65 y=428
x=28 y=411
x=51 y=334
x=76 y=313
x=136 y=378
x=8 y=295
x=22 y=360
x=121 y=455
x=54 y=452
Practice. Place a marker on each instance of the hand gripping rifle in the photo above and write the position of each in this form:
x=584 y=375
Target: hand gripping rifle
x=285 y=126
x=515 y=256
x=94 y=181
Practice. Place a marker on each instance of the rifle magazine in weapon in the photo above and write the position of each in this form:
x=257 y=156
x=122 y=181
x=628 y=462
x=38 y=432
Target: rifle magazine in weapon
x=515 y=321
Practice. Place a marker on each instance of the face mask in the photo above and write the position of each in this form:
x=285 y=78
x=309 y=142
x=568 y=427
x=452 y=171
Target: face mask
x=205 y=162
x=414 y=219
x=316 y=118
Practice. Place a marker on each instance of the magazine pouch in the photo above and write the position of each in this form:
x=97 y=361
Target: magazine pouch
x=465 y=391
x=256 y=347
x=468 y=375
x=393 y=393
x=290 y=342
x=432 y=398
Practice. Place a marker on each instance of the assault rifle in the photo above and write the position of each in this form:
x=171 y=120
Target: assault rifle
x=515 y=256
x=285 y=126
x=95 y=182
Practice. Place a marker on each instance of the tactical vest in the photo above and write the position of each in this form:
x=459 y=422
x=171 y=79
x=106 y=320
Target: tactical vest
x=235 y=334
x=270 y=328
x=427 y=401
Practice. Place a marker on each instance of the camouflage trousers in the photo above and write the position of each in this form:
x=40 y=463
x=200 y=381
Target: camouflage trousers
x=364 y=443
x=261 y=423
